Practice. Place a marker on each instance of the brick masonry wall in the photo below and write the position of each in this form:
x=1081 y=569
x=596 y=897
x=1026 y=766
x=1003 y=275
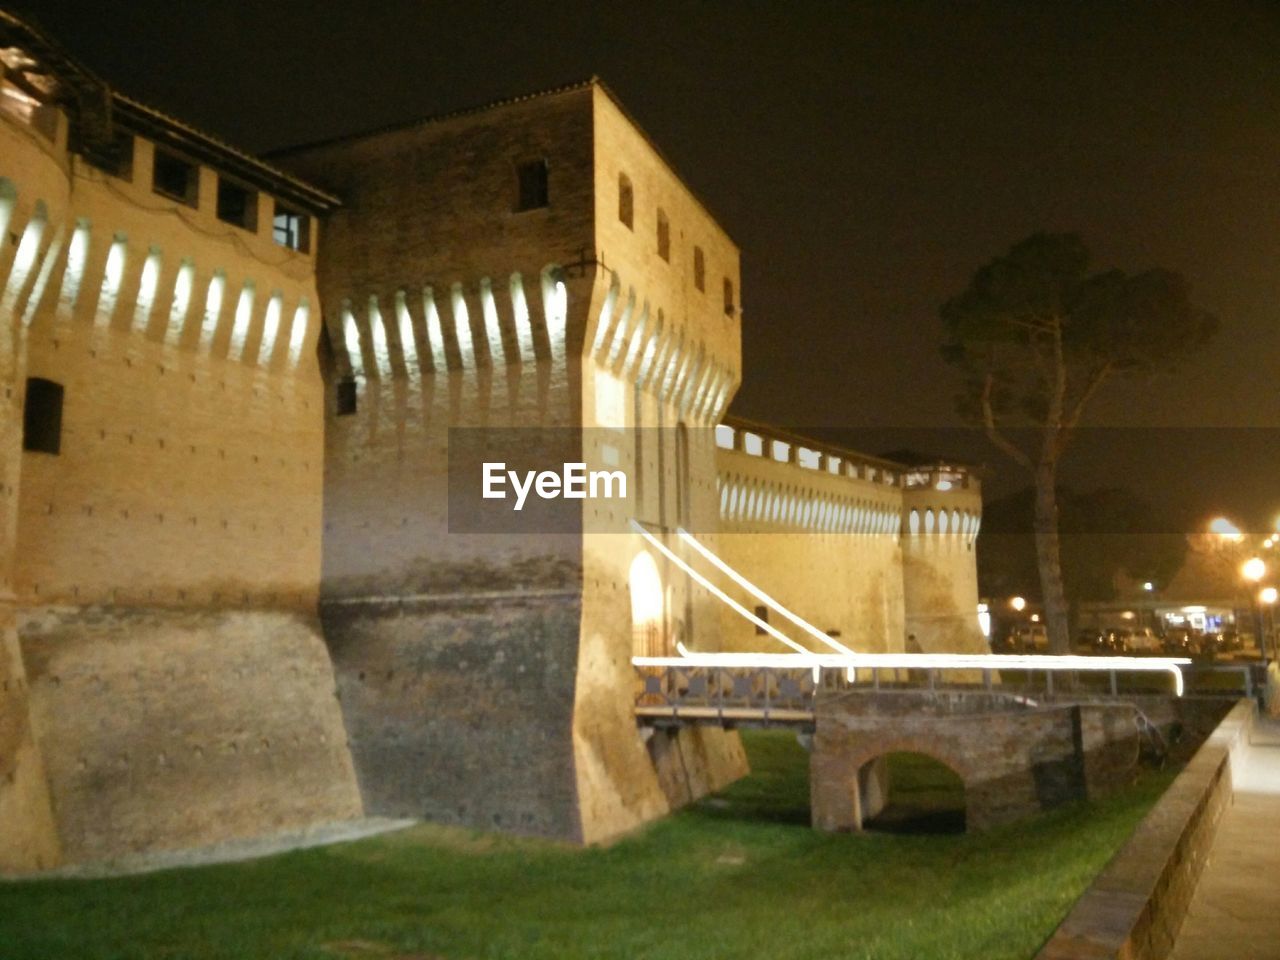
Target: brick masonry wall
x=849 y=582
x=940 y=572
x=167 y=559
x=32 y=177
x=455 y=653
x=460 y=710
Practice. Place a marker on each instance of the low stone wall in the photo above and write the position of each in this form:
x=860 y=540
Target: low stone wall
x=1134 y=909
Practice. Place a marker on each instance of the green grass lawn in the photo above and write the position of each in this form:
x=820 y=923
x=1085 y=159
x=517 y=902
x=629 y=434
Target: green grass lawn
x=740 y=875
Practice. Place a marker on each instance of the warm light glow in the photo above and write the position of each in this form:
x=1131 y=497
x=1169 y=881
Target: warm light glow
x=182 y=287
x=1148 y=586
x=520 y=310
x=984 y=620
x=492 y=327
x=1253 y=569
x=557 y=312
x=637 y=341
x=147 y=285
x=435 y=334
x=1268 y=595
x=268 y=345
x=620 y=330
x=298 y=332
x=378 y=336
x=462 y=326
x=1224 y=528
x=925 y=661
x=212 y=308
x=1018 y=603
x=408 y=345
x=77 y=256
x=1035 y=617
x=240 y=326
x=759 y=594
x=351 y=340
x=112 y=277
x=25 y=258
x=717 y=592
x=646 y=591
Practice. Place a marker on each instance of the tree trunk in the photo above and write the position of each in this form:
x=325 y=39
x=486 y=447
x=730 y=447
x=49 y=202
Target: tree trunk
x=1049 y=558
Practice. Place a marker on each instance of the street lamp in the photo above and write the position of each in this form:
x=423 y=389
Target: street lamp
x=1267 y=597
x=1224 y=528
x=1253 y=570
x=1018 y=603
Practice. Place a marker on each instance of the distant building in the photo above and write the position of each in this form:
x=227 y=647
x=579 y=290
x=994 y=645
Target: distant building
x=232 y=397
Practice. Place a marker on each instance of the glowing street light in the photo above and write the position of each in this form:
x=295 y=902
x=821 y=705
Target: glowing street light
x=1268 y=595
x=1224 y=528
x=1018 y=603
x=1148 y=586
x=1253 y=569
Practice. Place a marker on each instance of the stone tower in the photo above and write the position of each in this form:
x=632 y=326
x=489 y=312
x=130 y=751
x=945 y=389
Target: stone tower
x=534 y=264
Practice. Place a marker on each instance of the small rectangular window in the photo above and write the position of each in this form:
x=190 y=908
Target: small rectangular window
x=762 y=613
x=532 y=177
x=699 y=269
x=729 y=308
x=114 y=156
x=237 y=204
x=291 y=229
x=176 y=178
x=346 y=398
x=42 y=417
x=664 y=237
x=626 y=201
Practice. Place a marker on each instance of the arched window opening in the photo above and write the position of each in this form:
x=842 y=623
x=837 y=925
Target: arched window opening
x=664 y=236
x=682 y=475
x=729 y=307
x=699 y=269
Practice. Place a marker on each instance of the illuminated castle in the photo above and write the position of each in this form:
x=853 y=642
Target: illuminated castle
x=230 y=387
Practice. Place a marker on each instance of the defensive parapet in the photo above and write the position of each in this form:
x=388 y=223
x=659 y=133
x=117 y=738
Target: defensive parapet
x=528 y=267
x=855 y=544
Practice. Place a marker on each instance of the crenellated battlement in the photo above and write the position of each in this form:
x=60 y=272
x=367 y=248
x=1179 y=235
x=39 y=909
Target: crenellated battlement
x=770 y=479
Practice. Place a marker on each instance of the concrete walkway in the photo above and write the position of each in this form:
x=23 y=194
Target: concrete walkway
x=1235 y=911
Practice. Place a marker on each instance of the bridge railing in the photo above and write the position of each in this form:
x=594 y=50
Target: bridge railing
x=727 y=693
x=676 y=690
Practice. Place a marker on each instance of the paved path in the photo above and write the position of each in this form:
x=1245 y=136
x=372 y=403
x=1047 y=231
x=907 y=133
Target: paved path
x=1235 y=912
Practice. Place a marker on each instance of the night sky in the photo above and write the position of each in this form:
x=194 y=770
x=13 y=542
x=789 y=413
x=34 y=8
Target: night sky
x=866 y=157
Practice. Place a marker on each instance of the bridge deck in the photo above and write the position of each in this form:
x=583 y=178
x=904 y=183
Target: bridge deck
x=731 y=696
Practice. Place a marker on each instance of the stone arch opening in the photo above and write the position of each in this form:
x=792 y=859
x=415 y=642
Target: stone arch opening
x=648 y=608
x=909 y=791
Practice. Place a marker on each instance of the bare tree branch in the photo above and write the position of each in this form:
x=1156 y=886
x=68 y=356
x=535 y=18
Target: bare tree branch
x=993 y=431
x=1072 y=419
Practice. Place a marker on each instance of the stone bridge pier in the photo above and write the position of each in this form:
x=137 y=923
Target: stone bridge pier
x=1014 y=758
